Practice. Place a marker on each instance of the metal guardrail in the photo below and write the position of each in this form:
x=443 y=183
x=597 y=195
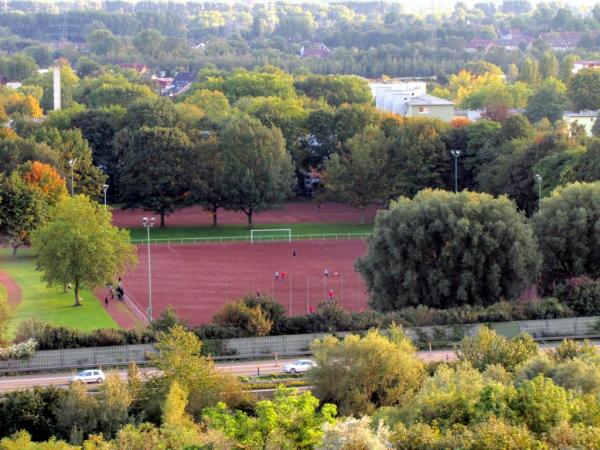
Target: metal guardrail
x=225 y=239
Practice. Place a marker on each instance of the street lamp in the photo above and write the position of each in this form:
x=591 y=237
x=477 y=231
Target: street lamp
x=104 y=189
x=456 y=154
x=149 y=223
x=72 y=162
x=538 y=178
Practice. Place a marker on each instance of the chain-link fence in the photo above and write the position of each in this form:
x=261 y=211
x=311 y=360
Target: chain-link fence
x=285 y=345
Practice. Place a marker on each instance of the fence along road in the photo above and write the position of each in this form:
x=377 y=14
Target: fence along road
x=258 y=367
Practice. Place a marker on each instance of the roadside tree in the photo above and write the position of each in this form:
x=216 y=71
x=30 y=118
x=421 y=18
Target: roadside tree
x=79 y=245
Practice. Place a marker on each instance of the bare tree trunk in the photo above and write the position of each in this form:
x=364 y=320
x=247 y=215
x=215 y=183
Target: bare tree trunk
x=362 y=215
x=15 y=247
x=249 y=214
x=162 y=219
x=76 y=289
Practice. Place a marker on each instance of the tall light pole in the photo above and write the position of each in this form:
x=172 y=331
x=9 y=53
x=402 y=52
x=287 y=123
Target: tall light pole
x=72 y=162
x=104 y=189
x=149 y=223
x=456 y=154
x=538 y=178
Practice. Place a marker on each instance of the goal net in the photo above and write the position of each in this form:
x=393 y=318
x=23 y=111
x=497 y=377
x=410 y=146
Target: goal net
x=278 y=234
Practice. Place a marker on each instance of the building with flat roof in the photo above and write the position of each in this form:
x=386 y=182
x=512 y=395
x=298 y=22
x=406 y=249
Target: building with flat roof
x=410 y=99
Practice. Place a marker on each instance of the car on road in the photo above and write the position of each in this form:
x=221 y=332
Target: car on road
x=302 y=365
x=88 y=376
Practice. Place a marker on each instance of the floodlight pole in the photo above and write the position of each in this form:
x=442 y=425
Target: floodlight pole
x=538 y=178
x=149 y=223
x=72 y=162
x=456 y=154
x=104 y=189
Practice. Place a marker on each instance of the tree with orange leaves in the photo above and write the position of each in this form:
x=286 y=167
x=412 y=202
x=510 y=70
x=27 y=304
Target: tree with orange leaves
x=44 y=179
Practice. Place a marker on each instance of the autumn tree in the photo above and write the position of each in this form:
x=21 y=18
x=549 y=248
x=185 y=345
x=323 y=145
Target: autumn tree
x=22 y=210
x=79 y=245
x=44 y=179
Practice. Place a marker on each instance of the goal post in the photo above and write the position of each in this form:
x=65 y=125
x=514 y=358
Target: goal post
x=275 y=234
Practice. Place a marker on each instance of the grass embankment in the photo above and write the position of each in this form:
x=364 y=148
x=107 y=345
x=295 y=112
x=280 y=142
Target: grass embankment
x=208 y=231
x=50 y=305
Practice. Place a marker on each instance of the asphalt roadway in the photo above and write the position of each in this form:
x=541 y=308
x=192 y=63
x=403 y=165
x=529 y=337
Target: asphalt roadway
x=262 y=367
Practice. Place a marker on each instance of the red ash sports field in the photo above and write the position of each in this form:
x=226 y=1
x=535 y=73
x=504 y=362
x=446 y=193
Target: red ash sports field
x=198 y=279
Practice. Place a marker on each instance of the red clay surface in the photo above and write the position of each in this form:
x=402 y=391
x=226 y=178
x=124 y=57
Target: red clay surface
x=12 y=288
x=198 y=279
x=294 y=212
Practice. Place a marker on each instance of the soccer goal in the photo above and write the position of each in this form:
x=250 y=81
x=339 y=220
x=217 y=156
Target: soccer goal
x=278 y=234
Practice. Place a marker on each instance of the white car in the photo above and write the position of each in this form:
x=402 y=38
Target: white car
x=302 y=365
x=88 y=376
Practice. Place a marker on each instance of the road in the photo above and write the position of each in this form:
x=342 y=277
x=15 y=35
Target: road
x=263 y=367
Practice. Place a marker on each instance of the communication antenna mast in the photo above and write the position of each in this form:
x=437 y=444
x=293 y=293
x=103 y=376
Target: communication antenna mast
x=433 y=22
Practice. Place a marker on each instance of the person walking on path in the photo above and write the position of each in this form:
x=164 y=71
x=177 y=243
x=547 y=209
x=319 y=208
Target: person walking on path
x=106 y=302
x=277 y=275
x=294 y=253
x=326 y=273
x=282 y=275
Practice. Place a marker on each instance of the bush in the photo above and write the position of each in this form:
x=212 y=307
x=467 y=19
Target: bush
x=252 y=320
x=487 y=347
x=582 y=298
x=22 y=350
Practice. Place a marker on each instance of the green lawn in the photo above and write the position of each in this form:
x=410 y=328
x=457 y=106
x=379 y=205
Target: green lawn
x=208 y=231
x=49 y=304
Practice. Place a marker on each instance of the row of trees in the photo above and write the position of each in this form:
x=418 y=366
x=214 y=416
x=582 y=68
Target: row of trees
x=445 y=250
x=500 y=394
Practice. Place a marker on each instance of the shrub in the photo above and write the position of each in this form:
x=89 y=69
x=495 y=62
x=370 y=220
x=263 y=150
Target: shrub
x=22 y=350
x=239 y=315
x=583 y=298
x=487 y=347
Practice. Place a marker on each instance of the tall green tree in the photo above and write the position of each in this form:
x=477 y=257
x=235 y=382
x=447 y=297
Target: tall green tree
x=207 y=188
x=548 y=65
x=418 y=158
x=530 y=71
x=257 y=170
x=335 y=89
x=79 y=245
x=155 y=175
x=549 y=101
x=18 y=67
x=443 y=250
x=584 y=89
x=356 y=177
x=568 y=235
x=102 y=41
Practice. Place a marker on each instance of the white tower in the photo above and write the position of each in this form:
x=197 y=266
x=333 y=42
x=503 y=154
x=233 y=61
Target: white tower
x=56 y=87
